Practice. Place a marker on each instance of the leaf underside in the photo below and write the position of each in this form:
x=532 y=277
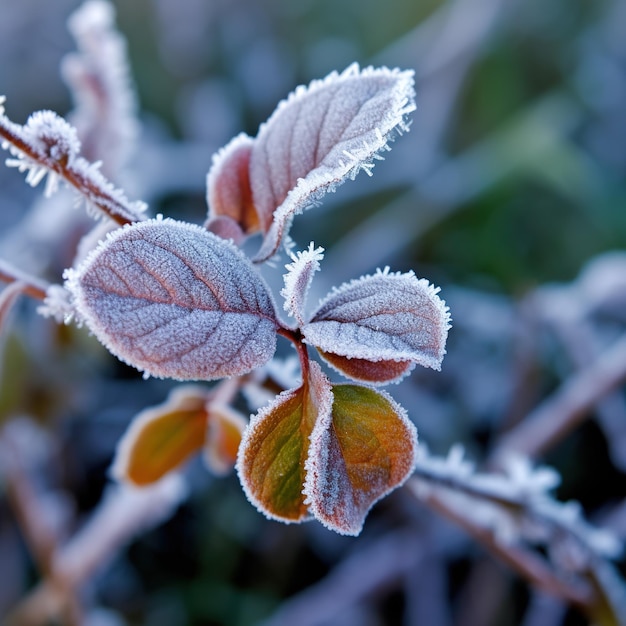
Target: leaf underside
x=375 y=372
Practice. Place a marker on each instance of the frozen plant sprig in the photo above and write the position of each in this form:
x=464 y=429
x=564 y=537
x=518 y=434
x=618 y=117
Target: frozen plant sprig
x=522 y=495
x=48 y=146
x=176 y=300
x=510 y=512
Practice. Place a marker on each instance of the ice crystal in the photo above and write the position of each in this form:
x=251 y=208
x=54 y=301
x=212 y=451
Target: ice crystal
x=298 y=280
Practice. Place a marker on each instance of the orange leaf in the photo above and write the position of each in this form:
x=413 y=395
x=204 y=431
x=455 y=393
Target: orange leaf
x=274 y=448
x=225 y=427
x=375 y=372
x=363 y=450
x=161 y=438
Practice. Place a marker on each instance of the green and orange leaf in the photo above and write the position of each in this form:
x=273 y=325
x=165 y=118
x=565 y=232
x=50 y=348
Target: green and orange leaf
x=162 y=438
x=362 y=450
x=273 y=453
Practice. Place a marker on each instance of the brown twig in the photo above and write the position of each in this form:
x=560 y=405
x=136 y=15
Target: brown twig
x=76 y=172
x=529 y=565
x=31 y=286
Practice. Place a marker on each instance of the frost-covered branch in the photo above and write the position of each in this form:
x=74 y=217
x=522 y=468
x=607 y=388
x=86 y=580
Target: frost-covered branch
x=48 y=146
x=509 y=513
x=123 y=513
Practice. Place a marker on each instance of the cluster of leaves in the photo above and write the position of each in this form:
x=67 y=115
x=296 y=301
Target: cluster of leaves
x=182 y=301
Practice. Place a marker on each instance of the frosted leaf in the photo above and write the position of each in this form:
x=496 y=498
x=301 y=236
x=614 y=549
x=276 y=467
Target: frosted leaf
x=384 y=316
x=161 y=438
x=226 y=228
x=175 y=301
x=360 y=452
x=228 y=185
x=373 y=372
x=298 y=280
x=224 y=431
x=321 y=135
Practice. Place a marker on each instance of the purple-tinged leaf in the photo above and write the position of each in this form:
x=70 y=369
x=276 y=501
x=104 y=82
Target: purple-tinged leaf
x=226 y=228
x=176 y=301
x=382 y=317
x=273 y=452
x=228 y=185
x=321 y=135
x=360 y=451
x=298 y=280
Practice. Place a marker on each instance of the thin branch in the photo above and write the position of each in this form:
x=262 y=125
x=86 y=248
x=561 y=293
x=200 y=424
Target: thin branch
x=31 y=286
x=24 y=501
x=567 y=407
x=359 y=577
x=530 y=566
x=47 y=144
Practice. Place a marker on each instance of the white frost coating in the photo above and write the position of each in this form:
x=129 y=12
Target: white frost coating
x=48 y=145
x=99 y=77
x=50 y=137
x=321 y=135
x=384 y=316
x=331 y=497
x=58 y=304
x=175 y=301
x=514 y=506
x=298 y=280
x=53 y=136
x=2 y=101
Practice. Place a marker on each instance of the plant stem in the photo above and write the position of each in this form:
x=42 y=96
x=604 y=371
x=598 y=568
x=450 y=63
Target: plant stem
x=31 y=286
x=295 y=336
x=96 y=190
